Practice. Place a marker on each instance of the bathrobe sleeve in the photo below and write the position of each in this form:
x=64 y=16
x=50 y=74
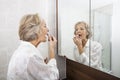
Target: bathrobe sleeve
x=81 y=58
x=38 y=70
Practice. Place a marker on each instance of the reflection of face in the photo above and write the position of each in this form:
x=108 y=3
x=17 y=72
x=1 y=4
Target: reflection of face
x=43 y=31
x=81 y=31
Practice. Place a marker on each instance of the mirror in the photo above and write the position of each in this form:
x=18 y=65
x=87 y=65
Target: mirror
x=101 y=25
x=68 y=15
x=101 y=16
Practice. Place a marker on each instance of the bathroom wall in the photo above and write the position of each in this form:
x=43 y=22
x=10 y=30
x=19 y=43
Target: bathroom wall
x=11 y=13
x=116 y=39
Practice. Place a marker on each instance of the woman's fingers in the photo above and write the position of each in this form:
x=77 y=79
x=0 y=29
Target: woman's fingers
x=77 y=40
x=52 y=38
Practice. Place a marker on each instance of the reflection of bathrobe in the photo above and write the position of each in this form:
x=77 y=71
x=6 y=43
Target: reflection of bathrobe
x=95 y=57
x=27 y=64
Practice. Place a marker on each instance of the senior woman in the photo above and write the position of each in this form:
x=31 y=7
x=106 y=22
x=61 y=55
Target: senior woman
x=27 y=63
x=85 y=46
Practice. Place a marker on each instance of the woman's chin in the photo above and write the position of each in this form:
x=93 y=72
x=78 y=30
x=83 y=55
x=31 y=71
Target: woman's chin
x=44 y=40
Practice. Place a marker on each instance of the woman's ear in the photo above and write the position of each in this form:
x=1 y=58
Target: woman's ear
x=87 y=35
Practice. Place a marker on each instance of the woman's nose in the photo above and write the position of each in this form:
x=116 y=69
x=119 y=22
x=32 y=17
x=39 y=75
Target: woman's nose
x=79 y=30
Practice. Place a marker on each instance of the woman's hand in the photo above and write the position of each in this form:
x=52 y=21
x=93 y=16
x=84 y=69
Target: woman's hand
x=52 y=43
x=78 y=41
x=46 y=60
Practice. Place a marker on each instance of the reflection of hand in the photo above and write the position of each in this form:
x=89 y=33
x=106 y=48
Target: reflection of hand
x=78 y=41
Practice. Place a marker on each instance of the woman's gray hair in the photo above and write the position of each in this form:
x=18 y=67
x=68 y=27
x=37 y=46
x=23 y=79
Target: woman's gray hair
x=29 y=28
x=86 y=27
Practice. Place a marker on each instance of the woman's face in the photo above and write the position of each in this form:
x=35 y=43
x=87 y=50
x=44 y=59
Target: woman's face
x=80 y=31
x=43 y=32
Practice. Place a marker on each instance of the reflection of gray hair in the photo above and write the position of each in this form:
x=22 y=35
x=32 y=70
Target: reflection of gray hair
x=29 y=27
x=86 y=27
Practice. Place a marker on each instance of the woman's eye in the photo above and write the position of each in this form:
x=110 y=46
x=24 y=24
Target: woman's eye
x=76 y=30
x=82 y=29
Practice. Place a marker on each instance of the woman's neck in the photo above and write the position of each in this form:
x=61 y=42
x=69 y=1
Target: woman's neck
x=35 y=42
x=84 y=41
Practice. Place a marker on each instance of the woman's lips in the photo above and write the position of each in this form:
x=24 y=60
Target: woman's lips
x=79 y=35
x=49 y=36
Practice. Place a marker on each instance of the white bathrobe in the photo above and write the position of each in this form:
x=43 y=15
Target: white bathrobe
x=95 y=50
x=27 y=64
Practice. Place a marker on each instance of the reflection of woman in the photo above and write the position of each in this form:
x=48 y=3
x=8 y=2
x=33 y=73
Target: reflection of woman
x=27 y=62
x=81 y=52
